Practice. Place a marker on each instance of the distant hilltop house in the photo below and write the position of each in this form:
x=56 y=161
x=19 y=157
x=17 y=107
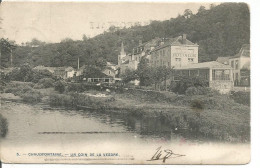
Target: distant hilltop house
x=64 y=72
x=240 y=64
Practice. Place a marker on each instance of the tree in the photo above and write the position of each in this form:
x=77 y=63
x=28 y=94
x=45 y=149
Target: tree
x=101 y=63
x=187 y=13
x=144 y=72
x=128 y=76
x=201 y=9
x=6 y=52
x=59 y=86
x=160 y=74
x=84 y=37
x=24 y=73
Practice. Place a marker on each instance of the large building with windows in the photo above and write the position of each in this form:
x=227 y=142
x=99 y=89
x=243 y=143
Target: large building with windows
x=174 y=52
x=131 y=61
x=240 y=64
x=218 y=75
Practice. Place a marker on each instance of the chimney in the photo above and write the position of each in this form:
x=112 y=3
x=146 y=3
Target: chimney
x=184 y=38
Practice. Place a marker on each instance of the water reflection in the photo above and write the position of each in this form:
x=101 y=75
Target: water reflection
x=37 y=124
x=155 y=127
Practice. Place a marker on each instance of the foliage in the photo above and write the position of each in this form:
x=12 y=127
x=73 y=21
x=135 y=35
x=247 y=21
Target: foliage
x=3 y=126
x=93 y=72
x=59 y=86
x=24 y=90
x=144 y=72
x=128 y=76
x=6 y=48
x=18 y=88
x=46 y=82
x=31 y=96
x=26 y=74
x=41 y=74
x=200 y=91
x=219 y=31
x=73 y=100
x=241 y=97
x=186 y=82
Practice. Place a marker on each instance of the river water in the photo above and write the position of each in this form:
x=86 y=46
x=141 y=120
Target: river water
x=35 y=129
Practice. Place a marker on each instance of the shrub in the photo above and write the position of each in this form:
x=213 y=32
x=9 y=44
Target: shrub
x=201 y=91
x=241 y=97
x=185 y=82
x=41 y=74
x=18 y=88
x=76 y=87
x=59 y=86
x=31 y=96
x=46 y=82
x=3 y=126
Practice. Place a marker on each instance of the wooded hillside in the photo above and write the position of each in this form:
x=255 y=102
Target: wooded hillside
x=219 y=31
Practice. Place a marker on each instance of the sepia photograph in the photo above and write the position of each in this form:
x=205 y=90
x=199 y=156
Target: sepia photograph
x=125 y=82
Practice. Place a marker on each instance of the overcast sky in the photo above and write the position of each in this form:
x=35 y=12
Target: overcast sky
x=54 y=21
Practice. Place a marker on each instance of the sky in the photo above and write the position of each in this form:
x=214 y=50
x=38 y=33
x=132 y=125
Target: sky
x=54 y=21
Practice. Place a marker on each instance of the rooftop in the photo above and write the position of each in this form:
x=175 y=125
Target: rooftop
x=180 y=40
x=244 y=51
x=223 y=60
x=206 y=65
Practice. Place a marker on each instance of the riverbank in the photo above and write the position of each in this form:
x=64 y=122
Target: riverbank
x=211 y=116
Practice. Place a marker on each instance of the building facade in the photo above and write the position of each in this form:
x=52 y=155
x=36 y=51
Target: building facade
x=218 y=76
x=64 y=72
x=240 y=64
x=174 y=52
x=131 y=61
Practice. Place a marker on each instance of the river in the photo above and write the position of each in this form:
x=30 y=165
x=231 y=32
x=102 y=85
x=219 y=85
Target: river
x=38 y=128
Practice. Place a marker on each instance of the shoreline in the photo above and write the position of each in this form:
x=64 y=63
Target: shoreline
x=179 y=118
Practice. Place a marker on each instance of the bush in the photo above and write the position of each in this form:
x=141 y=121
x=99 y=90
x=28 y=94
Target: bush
x=46 y=82
x=3 y=126
x=18 y=88
x=31 y=96
x=41 y=74
x=184 y=83
x=59 y=86
x=201 y=91
x=241 y=97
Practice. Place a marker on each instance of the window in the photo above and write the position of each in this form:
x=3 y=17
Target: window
x=191 y=51
x=236 y=64
x=220 y=74
x=190 y=59
x=177 y=59
x=168 y=64
x=232 y=64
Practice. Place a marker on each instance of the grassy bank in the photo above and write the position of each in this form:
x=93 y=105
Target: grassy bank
x=24 y=90
x=3 y=126
x=217 y=117
x=220 y=117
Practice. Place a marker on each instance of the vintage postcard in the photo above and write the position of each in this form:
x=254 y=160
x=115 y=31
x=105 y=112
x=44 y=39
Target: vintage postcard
x=125 y=82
